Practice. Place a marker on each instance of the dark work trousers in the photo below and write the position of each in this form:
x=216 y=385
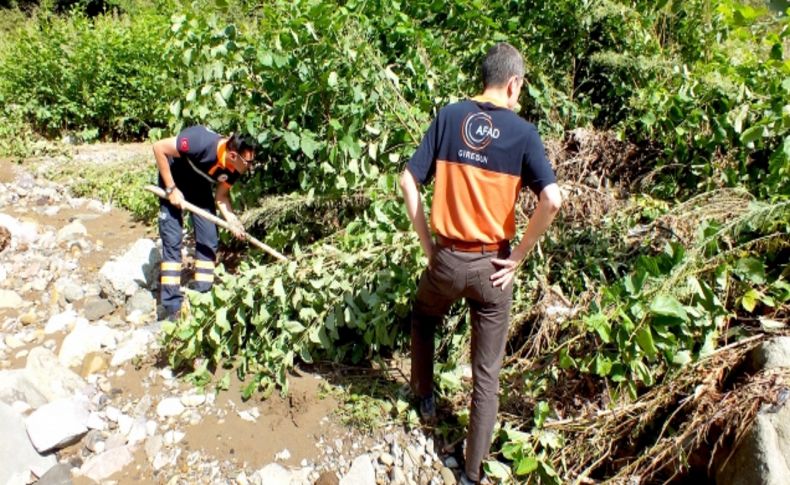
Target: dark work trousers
x=454 y=274
x=200 y=192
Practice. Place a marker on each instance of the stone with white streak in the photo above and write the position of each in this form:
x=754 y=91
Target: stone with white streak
x=58 y=423
x=170 y=406
x=111 y=461
x=136 y=268
x=361 y=472
x=85 y=338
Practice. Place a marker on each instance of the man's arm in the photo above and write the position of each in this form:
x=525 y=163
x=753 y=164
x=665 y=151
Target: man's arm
x=549 y=203
x=163 y=149
x=222 y=198
x=413 y=199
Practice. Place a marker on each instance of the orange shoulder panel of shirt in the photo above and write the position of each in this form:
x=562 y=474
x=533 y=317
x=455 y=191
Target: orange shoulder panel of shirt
x=474 y=204
x=221 y=161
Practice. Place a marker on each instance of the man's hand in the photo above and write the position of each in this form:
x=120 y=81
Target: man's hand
x=237 y=228
x=507 y=271
x=176 y=198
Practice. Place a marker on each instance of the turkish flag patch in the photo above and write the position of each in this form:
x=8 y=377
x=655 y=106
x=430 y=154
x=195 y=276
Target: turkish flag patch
x=184 y=145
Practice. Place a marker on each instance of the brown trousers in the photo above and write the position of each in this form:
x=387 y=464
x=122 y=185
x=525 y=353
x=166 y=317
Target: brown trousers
x=453 y=275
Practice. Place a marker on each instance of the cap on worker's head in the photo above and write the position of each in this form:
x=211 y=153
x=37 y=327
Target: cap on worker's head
x=241 y=143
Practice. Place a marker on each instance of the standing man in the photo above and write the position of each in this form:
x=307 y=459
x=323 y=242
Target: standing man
x=481 y=154
x=190 y=164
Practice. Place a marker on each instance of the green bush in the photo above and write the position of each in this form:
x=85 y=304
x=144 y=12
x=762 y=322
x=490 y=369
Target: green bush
x=102 y=76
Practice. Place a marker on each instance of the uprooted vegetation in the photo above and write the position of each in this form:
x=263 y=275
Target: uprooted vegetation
x=665 y=121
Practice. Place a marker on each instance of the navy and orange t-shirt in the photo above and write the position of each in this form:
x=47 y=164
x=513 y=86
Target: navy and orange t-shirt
x=203 y=152
x=481 y=155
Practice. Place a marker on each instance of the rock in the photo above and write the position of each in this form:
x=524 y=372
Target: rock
x=22 y=233
x=125 y=423
x=137 y=268
x=397 y=477
x=166 y=458
x=85 y=338
x=96 y=308
x=72 y=231
x=170 y=406
x=193 y=400
x=93 y=363
x=138 y=344
x=50 y=378
x=763 y=457
x=59 y=474
x=101 y=466
x=387 y=459
x=153 y=446
x=28 y=318
x=13 y=342
x=92 y=439
x=5 y=240
x=173 y=437
x=14 y=387
x=360 y=473
x=283 y=455
x=10 y=299
x=272 y=474
x=139 y=432
x=17 y=456
x=96 y=422
x=772 y=354
x=328 y=478
x=451 y=462
x=447 y=476
x=142 y=301
x=58 y=423
x=61 y=321
x=70 y=290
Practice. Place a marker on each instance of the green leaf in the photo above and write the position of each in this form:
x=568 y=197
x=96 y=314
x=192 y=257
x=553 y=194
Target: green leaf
x=293 y=327
x=309 y=144
x=527 y=465
x=497 y=470
x=644 y=338
x=682 y=357
x=749 y=300
x=292 y=140
x=226 y=91
x=751 y=269
x=668 y=306
x=540 y=413
x=752 y=134
x=279 y=291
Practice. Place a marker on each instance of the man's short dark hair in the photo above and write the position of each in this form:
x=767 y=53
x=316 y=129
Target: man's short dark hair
x=241 y=143
x=502 y=61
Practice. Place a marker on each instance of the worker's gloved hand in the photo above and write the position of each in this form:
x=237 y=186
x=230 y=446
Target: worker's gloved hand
x=237 y=229
x=176 y=198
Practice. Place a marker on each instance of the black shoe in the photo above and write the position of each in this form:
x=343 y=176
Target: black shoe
x=428 y=410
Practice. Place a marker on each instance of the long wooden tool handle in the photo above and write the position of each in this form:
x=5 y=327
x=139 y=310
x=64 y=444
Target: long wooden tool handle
x=218 y=221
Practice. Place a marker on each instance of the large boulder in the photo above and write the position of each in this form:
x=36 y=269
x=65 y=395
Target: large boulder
x=84 y=339
x=59 y=423
x=772 y=354
x=18 y=458
x=50 y=378
x=136 y=268
x=763 y=456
